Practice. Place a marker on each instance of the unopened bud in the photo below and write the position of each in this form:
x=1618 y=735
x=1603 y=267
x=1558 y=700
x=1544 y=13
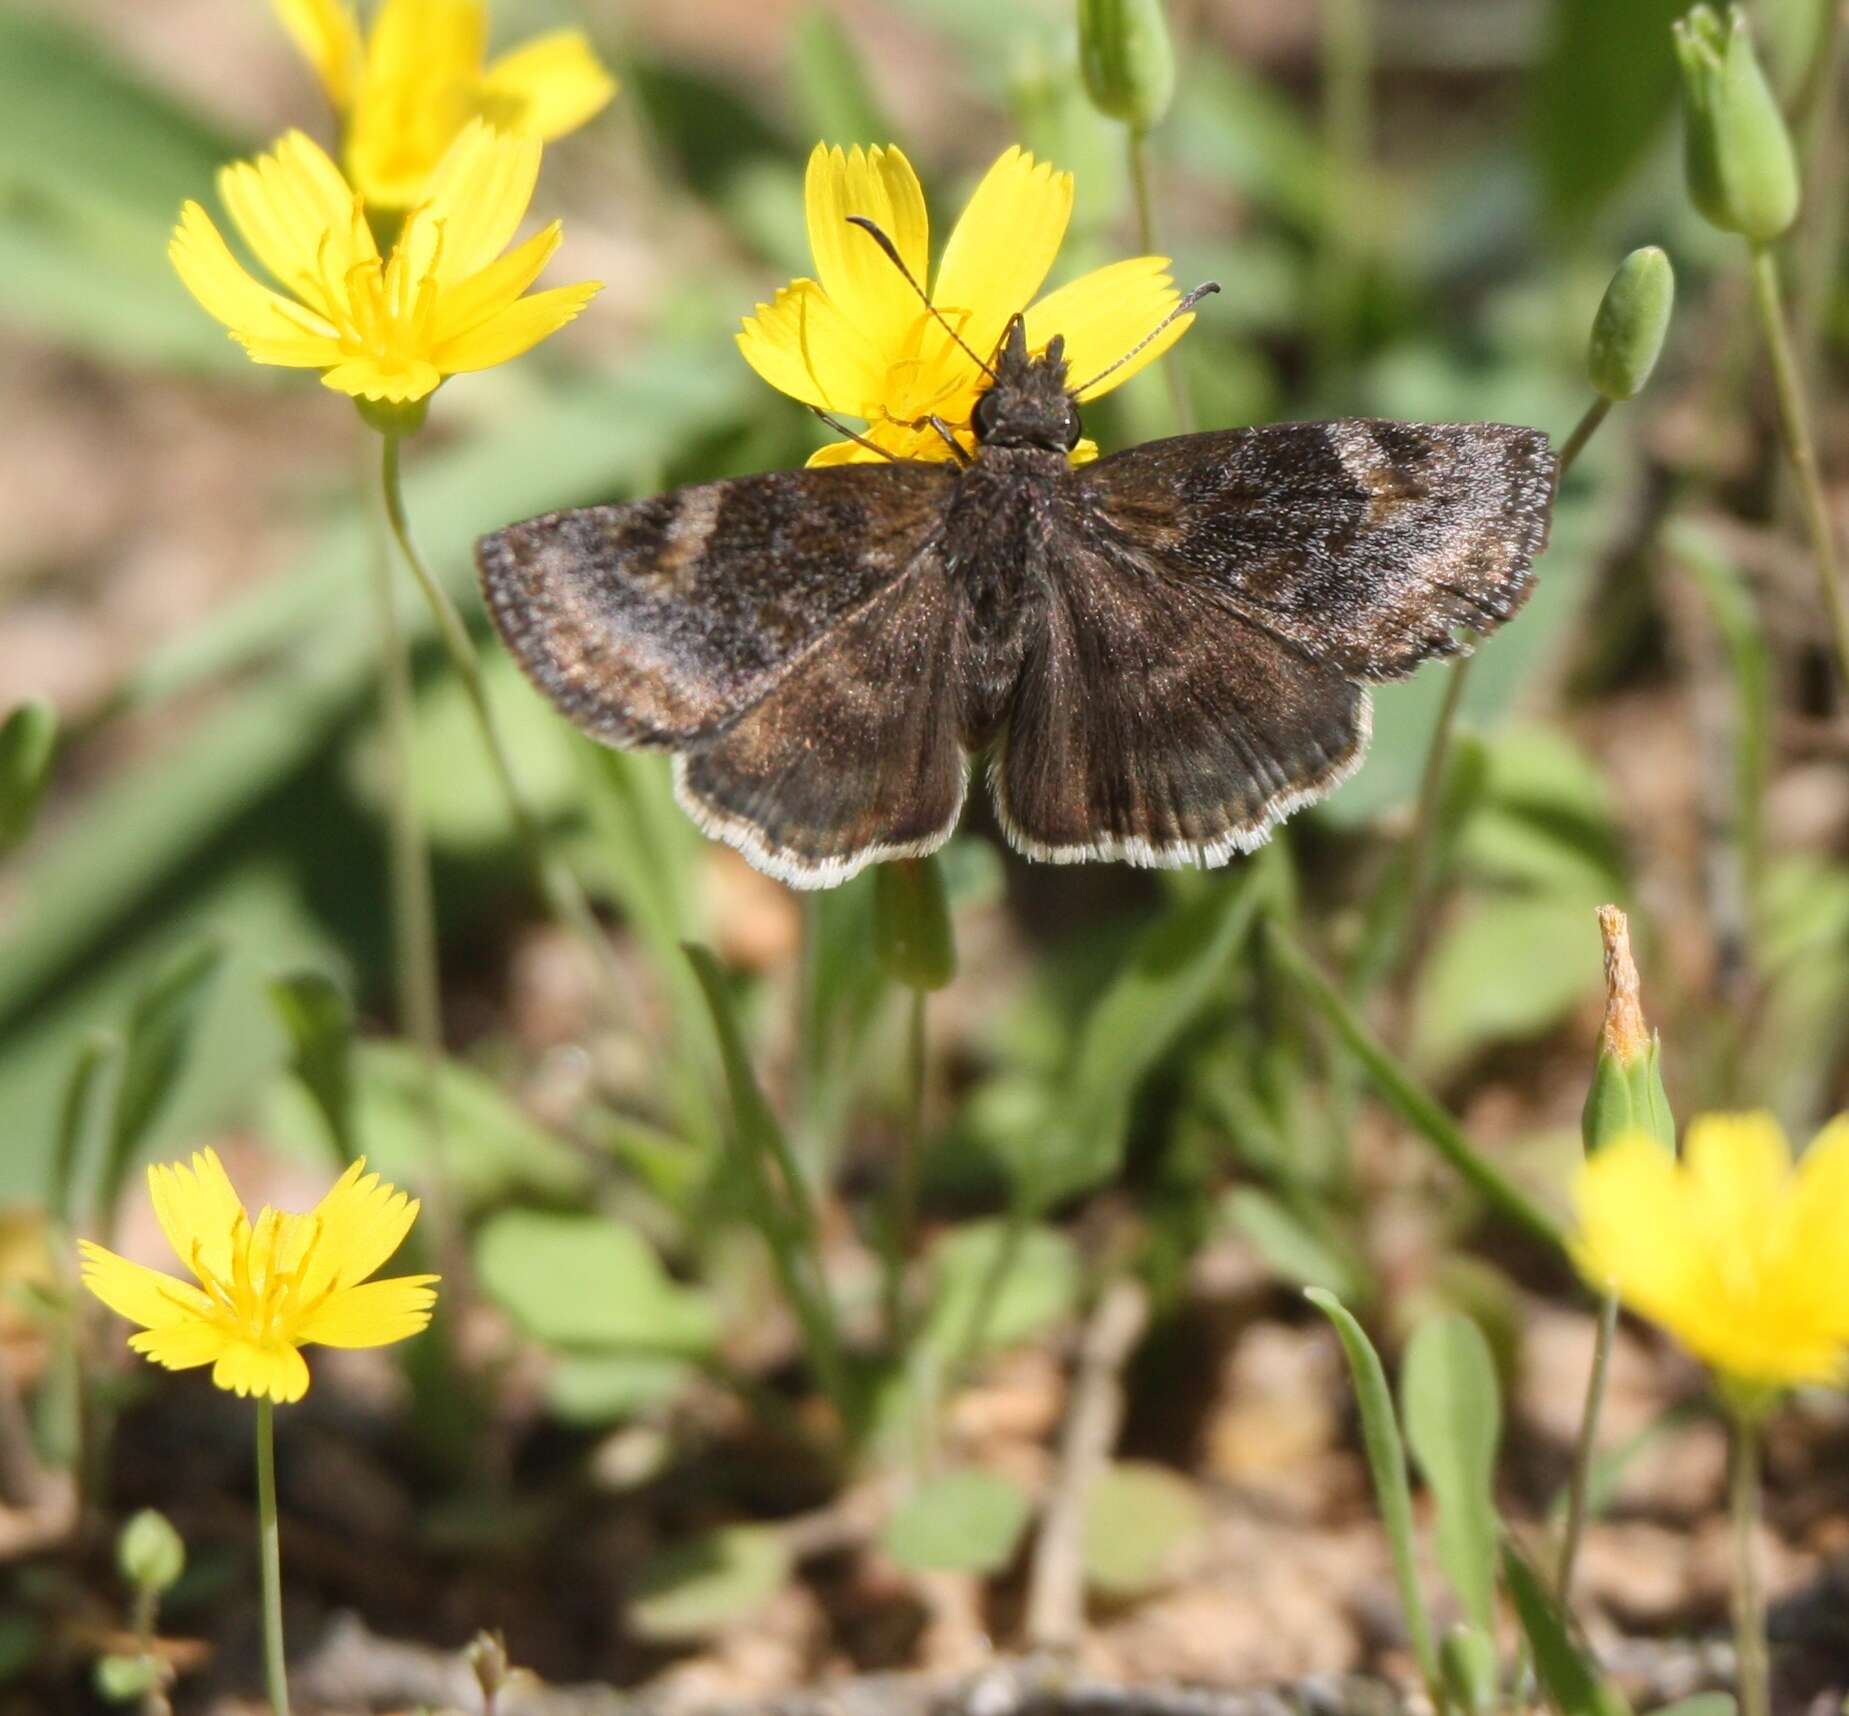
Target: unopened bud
x=1633 y=319
x=911 y=923
x=1128 y=62
x=149 y=1552
x=1627 y=1092
x=486 y=1655
x=1742 y=169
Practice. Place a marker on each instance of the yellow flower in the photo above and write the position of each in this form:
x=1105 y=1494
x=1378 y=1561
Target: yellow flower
x=447 y=299
x=857 y=342
x=1743 y=1258
x=405 y=93
x=268 y=1288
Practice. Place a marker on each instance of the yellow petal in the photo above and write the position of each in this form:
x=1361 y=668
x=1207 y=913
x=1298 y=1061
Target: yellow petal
x=476 y=200
x=185 y=1346
x=355 y=1228
x=1820 y=1231
x=198 y=1210
x=142 y=1295
x=1003 y=245
x=422 y=77
x=374 y=1315
x=516 y=329
x=846 y=453
x=273 y=1369
x=803 y=346
x=859 y=278
x=301 y=218
x=225 y=288
x=1103 y=315
x=548 y=86
x=397 y=383
x=1637 y=1231
x=328 y=35
x=462 y=306
x=1738 y=1169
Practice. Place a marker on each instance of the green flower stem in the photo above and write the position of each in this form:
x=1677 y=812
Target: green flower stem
x=1403 y=1093
x=1348 y=126
x=1137 y=147
x=270 y=1543
x=1749 y=1620
x=901 y=1215
x=558 y=883
x=414 y=925
x=1800 y=448
x=1579 y=1483
x=1438 y=752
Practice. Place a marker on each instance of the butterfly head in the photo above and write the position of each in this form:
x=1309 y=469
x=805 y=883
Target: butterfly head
x=1029 y=404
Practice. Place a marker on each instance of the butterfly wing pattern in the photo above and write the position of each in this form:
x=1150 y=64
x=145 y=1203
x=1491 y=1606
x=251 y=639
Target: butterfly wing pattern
x=1220 y=601
x=1165 y=651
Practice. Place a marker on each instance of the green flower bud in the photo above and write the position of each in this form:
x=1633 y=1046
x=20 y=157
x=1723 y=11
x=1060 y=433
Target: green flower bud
x=1467 y=1660
x=486 y=1656
x=1127 y=59
x=1742 y=171
x=1633 y=318
x=149 y=1553
x=1627 y=1092
x=124 y=1679
x=911 y=923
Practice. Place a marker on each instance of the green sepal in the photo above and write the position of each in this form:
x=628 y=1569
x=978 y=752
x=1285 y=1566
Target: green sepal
x=1628 y=1099
x=911 y=923
x=1127 y=59
x=393 y=418
x=1631 y=324
x=1742 y=168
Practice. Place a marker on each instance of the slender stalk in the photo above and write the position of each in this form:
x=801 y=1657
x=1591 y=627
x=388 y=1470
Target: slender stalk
x=414 y=924
x=1579 y=1483
x=901 y=1216
x=559 y=884
x=1137 y=147
x=1749 y=1620
x=1800 y=448
x=1438 y=752
x=270 y=1544
x=1348 y=127
x=1415 y=1105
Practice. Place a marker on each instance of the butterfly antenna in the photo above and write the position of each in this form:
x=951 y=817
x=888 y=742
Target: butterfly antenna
x=1205 y=290
x=874 y=231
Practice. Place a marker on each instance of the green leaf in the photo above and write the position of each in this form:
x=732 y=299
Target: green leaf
x=1386 y=1458
x=157 y=1047
x=1566 y=1674
x=596 y=1390
x=318 y=1017
x=1505 y=970
x=1169 y=978
x=83 y=1119
x=1138 y=1516
x=586 y=1281
x=1453 y=1413
x=1294 y=1249
x=27 y=737
x=968 y=1521
x=833 y=91
x=1017 y=1280
x=1701 y=1704
x=694 y=1589
x=1605 y=85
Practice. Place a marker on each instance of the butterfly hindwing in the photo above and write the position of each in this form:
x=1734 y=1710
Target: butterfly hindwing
x=854 y=757
x=662 y=622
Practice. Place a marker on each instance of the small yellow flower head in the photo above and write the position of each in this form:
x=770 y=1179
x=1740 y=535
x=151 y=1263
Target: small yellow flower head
x=446 y=300
x=406 y=92
x=857 y=342
x=1741 y=1257
x=265 y=1289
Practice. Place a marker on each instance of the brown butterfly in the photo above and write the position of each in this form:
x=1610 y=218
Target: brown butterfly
x=1163 y=652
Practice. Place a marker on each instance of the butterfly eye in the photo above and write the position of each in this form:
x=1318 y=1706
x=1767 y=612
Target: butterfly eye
x=1074 y=429
x=983 y=418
